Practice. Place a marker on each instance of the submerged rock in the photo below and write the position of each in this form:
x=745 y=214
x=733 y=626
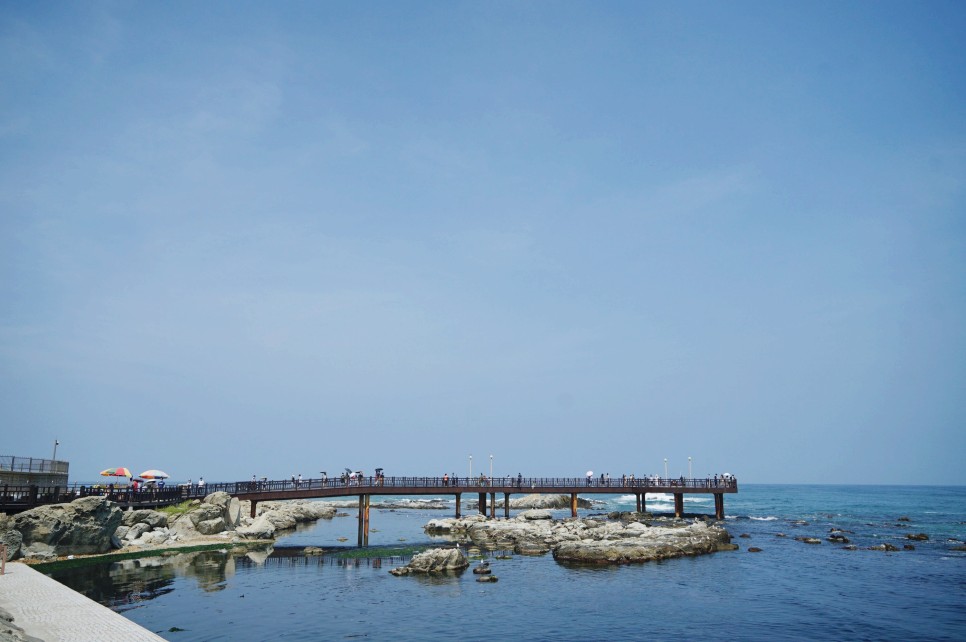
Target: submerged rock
x=809 y=540
x=883 y=547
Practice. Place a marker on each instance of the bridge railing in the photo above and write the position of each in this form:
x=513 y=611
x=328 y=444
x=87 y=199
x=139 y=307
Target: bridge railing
x=21 y=497
x=451 y=483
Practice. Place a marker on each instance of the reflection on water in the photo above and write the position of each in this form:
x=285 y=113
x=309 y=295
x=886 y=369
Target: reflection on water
x=125 y=584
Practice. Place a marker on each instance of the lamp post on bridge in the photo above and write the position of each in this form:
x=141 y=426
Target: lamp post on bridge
x=491 y=469
x=56 y=443
x=665 y=469
x=689 y=468
x=471 y=466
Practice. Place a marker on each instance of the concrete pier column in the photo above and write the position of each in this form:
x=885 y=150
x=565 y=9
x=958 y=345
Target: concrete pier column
x=365 y=529
x=458 y=505
x=482 y=503
x=493 y=505
x=362 y=510
x=638 y=496
x=253 y=508
x=506 y=505
x=643 y=503
x=719 y=506
x=679 y=504
x=573 y=504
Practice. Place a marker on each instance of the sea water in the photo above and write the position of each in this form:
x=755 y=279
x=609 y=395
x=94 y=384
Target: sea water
x=790 y=590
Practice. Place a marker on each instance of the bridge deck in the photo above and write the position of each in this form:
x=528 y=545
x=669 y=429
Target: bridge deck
x=317 y=488
x=15 y=498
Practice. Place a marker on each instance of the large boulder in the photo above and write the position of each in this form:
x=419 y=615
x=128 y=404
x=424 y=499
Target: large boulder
x=83 y=526
x=9 y=537
x=436 y=560
x=152 y=518
x=133 y=532
x=230 y=508
x=261 y=528
x=286 y=515
x=204 y=513
x=211 y=526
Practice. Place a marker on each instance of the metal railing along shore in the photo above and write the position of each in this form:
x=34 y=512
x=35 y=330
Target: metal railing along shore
x=13 y=464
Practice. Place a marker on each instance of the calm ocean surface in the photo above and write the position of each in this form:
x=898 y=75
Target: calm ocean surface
x=789 y=591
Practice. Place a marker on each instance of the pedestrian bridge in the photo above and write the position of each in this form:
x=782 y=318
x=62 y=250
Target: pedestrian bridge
x=485 y=488
x=15 y=499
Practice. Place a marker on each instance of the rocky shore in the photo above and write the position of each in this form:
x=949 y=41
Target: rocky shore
x=614 y=539
x=94 y=525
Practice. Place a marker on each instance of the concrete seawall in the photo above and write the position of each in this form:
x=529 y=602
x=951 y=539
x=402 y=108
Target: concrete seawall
x=44 y=609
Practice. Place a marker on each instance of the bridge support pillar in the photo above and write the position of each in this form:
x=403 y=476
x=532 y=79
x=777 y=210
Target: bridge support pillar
x=493 y=505
x=679 y=504
x=639 y=506
x=506 y=505
x=458 y=505
x=483 y=504
x=719 y=506
x=573 y=504
x=254 y=503
x=363 y=520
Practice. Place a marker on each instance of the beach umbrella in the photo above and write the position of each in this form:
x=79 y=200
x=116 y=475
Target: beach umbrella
x=154 y=474
x=116 y=472
x=590 y=473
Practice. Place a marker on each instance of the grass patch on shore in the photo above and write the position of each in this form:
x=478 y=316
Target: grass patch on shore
x=177 y=510
x=89 y=560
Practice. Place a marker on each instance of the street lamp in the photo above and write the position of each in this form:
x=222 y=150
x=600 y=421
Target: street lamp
x=471 y=466
x=665 y=468
x=491 y=469
x=689 y=468
x=56 y=443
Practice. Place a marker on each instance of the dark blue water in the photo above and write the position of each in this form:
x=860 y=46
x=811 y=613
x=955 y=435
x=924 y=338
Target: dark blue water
x=790 y=590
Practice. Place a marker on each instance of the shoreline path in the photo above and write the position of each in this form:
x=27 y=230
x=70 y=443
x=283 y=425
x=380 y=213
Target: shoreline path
x=44 y=609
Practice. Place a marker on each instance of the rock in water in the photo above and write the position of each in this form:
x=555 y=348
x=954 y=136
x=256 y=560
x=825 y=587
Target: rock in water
x=435 y=560
x=643 y=545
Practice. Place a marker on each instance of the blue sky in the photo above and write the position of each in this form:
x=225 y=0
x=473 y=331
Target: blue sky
x=279 y=238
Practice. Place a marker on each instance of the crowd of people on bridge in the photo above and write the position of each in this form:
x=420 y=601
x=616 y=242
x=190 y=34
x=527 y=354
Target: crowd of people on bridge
x=359 y=478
